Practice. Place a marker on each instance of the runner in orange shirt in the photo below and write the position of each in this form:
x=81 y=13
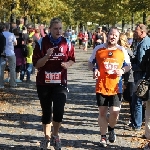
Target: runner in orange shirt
x=111 y=62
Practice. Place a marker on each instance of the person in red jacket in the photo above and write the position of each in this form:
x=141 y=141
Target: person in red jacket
x=52 y=57
x=80 y=37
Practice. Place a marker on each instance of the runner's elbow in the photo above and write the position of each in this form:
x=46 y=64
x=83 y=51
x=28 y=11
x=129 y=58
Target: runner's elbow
x=90 y=66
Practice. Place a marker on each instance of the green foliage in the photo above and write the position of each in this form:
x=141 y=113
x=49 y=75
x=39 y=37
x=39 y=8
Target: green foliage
x=74 y=12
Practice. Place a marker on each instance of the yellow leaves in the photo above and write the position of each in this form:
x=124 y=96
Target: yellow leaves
x=142 y=142
x=20 y=111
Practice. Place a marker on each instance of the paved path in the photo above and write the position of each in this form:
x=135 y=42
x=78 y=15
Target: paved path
x=20 y=127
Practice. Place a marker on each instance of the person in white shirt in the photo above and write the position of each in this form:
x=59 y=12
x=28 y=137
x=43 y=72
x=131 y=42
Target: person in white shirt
x=10 y=55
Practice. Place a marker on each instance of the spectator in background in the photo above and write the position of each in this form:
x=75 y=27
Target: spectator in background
x=25 y=35
x=29 y=64
x=31 y=33
x=73 y=37
x=89 y=38
x=93 y=38
x=100 y=37
x=20 y=59
x=128 y=84
x=37 y=34
x=67 y=34
x=85 y=41
x=142 y=46
x=70 y=33
x=145 y=66
x=41 y=30
x=80 y=37
x=129 y=35
x=10 y=54
x=21 y=25
x=13 y=26
x=134 y=43
x=36 y=37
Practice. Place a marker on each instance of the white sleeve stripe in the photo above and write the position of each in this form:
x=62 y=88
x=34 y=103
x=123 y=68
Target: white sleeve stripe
x=94 y=52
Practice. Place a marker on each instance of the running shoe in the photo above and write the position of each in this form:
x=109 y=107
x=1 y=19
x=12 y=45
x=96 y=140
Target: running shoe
x=45 y=145
x=56 y=142
x=112 y=136
x=103 y=142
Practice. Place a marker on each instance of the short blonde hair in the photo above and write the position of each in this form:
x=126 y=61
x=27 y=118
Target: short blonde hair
x=55 y=20
x=123 y=40
x=129 y=34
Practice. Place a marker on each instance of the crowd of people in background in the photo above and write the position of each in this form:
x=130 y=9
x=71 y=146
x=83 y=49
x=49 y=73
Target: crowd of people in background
x=86 y=39
x=20 y=43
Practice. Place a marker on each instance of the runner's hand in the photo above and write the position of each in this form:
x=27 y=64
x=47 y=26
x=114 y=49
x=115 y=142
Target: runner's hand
x=124 y=87
x=50 y=52
x=65 y=65
x=119 y=72
x=96 y=74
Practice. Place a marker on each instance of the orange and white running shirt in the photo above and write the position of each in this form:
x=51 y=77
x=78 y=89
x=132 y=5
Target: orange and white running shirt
x=108 y=83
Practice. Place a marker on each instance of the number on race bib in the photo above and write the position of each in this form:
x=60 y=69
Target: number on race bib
x=110 y=67
x=52 y=77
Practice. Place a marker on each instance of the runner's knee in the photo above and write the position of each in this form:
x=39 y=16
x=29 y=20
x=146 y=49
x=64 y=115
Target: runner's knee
x=58 y=107
x=47 y=116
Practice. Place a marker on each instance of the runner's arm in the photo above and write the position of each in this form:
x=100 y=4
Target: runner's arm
x=92 y=60
x=39 y=59
x=41 y=62
x=67 y=64
x=71 y=58
x=92 y=65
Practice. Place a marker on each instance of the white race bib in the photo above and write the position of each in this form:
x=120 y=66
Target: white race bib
x=52 y=77
x=111 y=67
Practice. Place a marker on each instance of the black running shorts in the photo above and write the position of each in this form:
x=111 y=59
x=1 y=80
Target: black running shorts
x=48 y=95
x=112 y=100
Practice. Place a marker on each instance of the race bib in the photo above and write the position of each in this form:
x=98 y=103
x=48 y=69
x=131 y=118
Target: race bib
x=111 y=67
x=52 y=77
